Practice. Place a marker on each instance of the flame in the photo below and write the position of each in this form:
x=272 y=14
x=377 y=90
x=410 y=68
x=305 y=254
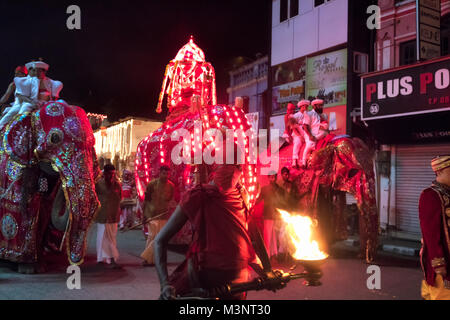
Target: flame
x=299 y=229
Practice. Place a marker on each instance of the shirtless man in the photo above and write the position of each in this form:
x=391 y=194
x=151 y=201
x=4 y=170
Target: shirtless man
x=20 y=71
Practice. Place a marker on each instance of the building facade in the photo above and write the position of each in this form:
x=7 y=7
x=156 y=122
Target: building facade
x=406 y=105
x=250 y=83
x=318 y=50
x=117 y=142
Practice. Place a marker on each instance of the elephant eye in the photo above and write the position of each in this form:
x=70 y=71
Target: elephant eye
x=55 y=137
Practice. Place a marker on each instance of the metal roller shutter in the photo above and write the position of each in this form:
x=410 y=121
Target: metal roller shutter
x=413 y=174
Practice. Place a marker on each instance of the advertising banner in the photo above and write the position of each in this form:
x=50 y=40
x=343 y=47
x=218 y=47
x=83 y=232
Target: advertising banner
x=326 y=78
x=288 y=84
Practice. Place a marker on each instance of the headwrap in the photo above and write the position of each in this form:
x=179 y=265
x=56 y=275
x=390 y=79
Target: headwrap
x=37 y=64
x=317 y=101
x=440 y=162
x=227 y=175
x=22 y=69
x=303 y=103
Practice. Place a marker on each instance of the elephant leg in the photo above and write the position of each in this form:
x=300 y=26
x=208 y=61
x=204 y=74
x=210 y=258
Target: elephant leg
x=325 y=218
x=31 y=268
x=368 y=237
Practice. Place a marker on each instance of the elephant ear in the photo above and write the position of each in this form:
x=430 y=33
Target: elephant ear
x=363 y=155
x=17 y=140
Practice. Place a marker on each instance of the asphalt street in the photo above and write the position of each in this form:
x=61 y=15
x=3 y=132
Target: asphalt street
x=345 y=277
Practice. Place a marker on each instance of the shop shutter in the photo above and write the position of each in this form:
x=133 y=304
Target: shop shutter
x=413 y=174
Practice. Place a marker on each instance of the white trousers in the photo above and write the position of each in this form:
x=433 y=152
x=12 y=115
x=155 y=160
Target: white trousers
x=309 y=147
x=297 y=147
x=14 y=110
x=106 y=242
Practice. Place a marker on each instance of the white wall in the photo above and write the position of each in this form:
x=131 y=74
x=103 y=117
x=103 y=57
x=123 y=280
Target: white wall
x=314 y=29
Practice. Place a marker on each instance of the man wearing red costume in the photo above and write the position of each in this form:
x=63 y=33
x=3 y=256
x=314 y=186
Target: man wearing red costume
x=287 y=130
x=221 y=249
x=434 y=216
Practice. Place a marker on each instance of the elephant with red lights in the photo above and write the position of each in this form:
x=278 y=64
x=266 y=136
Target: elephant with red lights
x=189 y=84
x=162 y=147
x=47 y=185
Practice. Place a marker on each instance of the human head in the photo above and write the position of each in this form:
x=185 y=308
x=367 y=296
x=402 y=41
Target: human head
x=303 y=105
x=318 y=105
x=109 y=172
x=285 y=173
x=40 y=68
x=441 y=167
x=290 y=107
x=20 y=71
x=272 y=177
x=164 y=172
x=227 y=176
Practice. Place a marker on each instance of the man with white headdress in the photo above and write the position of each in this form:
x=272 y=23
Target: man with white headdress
x=295 y=123
x=315 y=128
x=32 y=91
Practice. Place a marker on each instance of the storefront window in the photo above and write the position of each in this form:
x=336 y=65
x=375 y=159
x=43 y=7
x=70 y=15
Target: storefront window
x=445 y=35
x=294 y=8
x=408 y=52
x=283 y=10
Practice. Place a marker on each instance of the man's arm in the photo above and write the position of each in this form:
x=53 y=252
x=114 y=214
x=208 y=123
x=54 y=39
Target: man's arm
x=25 y=98
x=430 y=216
x=175 y=223
x=8 y=93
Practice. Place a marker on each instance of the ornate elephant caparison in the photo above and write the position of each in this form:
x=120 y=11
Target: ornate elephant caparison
x=341 y=164
x=48 y=166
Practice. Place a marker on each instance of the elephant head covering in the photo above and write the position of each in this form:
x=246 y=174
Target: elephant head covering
x=440 y=162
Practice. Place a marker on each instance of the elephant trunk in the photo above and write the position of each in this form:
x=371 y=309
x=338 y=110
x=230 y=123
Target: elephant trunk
x=81 y=200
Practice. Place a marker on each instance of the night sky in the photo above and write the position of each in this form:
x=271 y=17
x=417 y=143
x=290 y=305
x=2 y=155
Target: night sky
x=115 y=64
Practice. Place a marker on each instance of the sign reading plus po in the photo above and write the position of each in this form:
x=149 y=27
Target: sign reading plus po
x=417 y=89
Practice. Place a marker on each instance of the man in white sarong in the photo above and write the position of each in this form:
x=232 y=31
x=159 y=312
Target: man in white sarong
x=32 y=91
x=109 y=193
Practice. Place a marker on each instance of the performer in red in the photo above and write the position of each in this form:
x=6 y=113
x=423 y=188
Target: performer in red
x=221 y=249
x=287 y=130
x=20 y=71
x=434 y=215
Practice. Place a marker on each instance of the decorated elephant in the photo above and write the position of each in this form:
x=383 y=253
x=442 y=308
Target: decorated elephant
x=339 y=164
x=193 y=113
x=48 y=167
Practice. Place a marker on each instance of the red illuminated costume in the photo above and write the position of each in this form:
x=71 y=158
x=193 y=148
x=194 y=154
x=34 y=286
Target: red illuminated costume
x=434 y=215
x=189 y=85
x=221 y=249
